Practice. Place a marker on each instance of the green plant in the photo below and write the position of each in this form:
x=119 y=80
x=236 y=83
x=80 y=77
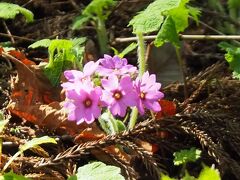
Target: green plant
x=9 y=11
x=232 y=57
x=97 y=170
x=97 y=11
x=185 y=156
x=168 y=18
x=63 y=54
x=231 y=14
x=34 y=143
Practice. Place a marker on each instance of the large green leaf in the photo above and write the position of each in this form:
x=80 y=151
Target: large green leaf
x=99 y=170
x=9 y=11
x=167 y=33
x=152 y=17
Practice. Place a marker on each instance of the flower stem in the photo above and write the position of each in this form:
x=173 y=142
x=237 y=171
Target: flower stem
x=182 y=66
x=141 y=54
x=142 y=69
x=102 y=36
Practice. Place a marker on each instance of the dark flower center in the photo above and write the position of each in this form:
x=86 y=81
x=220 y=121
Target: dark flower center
x=117 y=95
x=87 y=103
x=142 y=95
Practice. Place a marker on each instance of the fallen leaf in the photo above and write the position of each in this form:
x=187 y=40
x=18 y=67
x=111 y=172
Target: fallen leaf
x=21 y=57
x=168 y=109
x=34 y=99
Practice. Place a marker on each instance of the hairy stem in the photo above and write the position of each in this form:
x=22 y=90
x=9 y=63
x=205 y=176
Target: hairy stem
x=142 y=69
x=102 y=36
x=182 y=66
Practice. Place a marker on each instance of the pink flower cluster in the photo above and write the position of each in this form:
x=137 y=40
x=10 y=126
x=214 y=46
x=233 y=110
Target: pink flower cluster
x=118 y=89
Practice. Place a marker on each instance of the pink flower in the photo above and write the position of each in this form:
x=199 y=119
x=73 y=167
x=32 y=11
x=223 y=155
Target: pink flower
x=77 y=78
x=114 y=65
x=148 y=92
x=118 y=95
x=83 y=104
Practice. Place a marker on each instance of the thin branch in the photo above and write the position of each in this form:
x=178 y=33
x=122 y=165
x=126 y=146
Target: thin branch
x=8 y=32
x=186 y=37
x=17 y=37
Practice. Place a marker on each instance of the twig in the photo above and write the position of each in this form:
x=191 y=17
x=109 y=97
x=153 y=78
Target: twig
x=186 y=37
x=17 y=37
x=8 y=32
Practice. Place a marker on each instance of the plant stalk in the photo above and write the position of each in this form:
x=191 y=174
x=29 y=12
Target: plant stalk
x=102 y=36
x=142 y=69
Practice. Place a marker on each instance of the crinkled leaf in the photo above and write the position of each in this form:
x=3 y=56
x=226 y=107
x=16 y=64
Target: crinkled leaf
x=209 y=173
x=195 y=13
x=185 y=156
x=99 y=170
x=233 y=57
x=35 y=142
x=151 y=18
x=61 y=58
x=41 y=43
x=12 y=176
x=167 y=33
x=9 y=11
x=180 y=16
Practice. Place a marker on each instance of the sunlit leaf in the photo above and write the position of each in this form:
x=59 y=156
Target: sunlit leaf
x=41 y=43
x=12 y=176
x=209 y=173
x=37 y=141
x=99 y=170
x=9 y=11
x=187 y=155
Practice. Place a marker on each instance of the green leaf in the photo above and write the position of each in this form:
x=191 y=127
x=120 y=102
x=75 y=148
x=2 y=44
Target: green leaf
x=232 y=57
x=185 y=156
x=41 y=43
x=180 y=16
x=167 y=33
x=195 y=13
x=152 y=17
x=12 y=176
x=106 y=122
x=9 y=11
x=188 y=177
x=128 y=49
x=35 y=142
x=61 y=57
x=209 y=173
x=120 y=126
x=99 y=170
x=73 y=177
x=99 y=8
x=80 y=21
x=233 y=4
x=166 y=177
x=3 y=123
